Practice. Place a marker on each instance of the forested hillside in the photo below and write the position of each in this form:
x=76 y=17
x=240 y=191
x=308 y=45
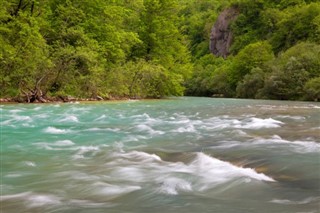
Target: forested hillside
x=155 y=48
x=275 y=53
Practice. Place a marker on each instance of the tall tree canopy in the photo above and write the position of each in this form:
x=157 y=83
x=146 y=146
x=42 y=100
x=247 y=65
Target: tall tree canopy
x=157 y=48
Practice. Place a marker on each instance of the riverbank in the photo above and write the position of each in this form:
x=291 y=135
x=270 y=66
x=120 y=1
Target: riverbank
x=66 y=99
x=70 y=99
x=73 y=99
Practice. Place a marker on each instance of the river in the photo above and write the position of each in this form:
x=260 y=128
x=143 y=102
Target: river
x=174 y=155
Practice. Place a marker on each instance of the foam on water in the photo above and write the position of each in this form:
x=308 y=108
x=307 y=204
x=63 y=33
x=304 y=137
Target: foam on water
x=22 y=118
x=118 y=147
x=36 y=200
x=310 y=106
x=225 y=122
x=100 y=118
x=18 y=119
x=6 y=122
x=202 y=173
x=217 y=123
x=113 y=190
x=77 y=109
x=188 y=128
x=291 y=202
x=134 y=138
x=222 y=171
x=298 y=146
x=180 y=121
x=14 y=196
x=33 y=199
x=94 y=129
x=83 y=150
x=145 y=118
x=97 y=129
x=69 y=118
x=174 y=185
x=37 y=108
x=139 y=156
x=239 y=132
x=90 y=204
x=258 y=123
x=13 y=175
x=41 y=116
x=54 y=130
x=15 y=110
x=58 y=145
x=63 y=143
x=292 y=117
x=148 y=129
x=30 y=163
x=141 y=116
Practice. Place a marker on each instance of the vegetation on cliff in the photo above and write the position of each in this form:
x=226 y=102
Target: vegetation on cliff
x=155 y=48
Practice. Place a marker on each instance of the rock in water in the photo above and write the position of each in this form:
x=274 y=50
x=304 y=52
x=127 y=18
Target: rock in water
x=221 y=35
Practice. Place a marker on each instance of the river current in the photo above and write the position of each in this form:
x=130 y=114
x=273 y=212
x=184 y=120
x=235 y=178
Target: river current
x=176 y=155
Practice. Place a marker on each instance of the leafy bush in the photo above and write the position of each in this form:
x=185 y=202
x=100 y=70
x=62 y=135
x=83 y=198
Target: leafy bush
x=287 y=83
x=252 y=84
x=253 y=55
x=312 y=89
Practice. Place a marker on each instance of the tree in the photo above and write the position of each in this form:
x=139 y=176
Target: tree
x=287 y=83
x=312 y=89
x=253 y=55
x=252 y=84
x=163 y=44
x=24 y=54
x=202 y=83
x=297 y=24
x=306 y=53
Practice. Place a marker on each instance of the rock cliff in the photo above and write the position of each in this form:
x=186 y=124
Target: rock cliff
x=221 y=35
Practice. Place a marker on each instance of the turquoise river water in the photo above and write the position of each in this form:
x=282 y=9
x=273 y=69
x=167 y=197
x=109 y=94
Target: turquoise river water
x=177 y=155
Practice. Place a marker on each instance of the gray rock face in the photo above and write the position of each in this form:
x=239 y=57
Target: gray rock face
x=221 y=35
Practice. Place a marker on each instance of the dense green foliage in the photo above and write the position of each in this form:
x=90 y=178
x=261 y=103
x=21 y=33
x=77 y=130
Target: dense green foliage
x=156 y=48
x=275 y=53
x=92 y=48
